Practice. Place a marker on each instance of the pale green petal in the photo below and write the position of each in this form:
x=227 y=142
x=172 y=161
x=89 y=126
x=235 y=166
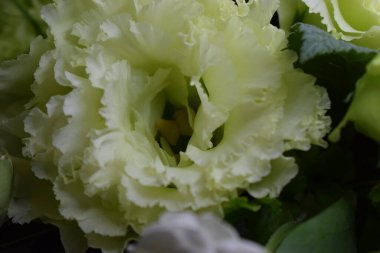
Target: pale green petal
x=93 y=214
x=331 y=17
x=263 y=10
x=32 y=198
x=72 y=236
x=357 y=14
x=36 y=124
x=62 y=15
x=370 y=38
x=358 y=21
x=301 y=131
x=16 y=76
x=107 y=244
x=288 y=11
x=283 y=170
x=45 y=85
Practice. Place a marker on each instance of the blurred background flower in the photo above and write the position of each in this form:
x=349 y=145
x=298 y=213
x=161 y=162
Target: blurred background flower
x=364 y=108
x=358 y=21
x=189 y=233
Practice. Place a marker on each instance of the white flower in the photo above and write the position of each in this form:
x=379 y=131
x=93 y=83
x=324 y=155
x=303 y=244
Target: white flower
x=188 y=233
x=146 y=106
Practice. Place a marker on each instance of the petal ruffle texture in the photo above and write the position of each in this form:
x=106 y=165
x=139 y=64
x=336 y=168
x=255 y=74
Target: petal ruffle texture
x=149 y=106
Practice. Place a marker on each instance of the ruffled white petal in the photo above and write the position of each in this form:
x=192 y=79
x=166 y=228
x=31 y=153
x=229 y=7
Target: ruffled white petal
x=119 y=68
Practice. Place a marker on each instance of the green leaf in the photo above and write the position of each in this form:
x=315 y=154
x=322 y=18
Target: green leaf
x=374 y=195
x=331 y=231
x=336 y=64
x=240 y=203
x=6 y=178
x=21 y=6
x=311 y=42
x=280 y=235
x=261 y=224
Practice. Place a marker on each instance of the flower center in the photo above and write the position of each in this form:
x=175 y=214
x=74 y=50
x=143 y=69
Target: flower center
x=174 y=127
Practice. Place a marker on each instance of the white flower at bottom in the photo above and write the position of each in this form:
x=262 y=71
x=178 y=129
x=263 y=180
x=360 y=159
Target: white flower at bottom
x=187 y=233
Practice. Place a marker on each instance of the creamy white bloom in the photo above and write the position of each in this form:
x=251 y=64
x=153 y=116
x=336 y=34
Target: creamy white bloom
x=146 y=106
x=188 y=233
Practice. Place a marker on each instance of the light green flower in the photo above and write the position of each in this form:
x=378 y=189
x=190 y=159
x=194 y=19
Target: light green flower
x=146 y=106
x=292 y=11
x=357 y=21
x=364 y=110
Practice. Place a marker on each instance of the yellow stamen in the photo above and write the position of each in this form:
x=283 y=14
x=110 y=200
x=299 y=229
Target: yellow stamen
x=182 y=120
x=169 y=130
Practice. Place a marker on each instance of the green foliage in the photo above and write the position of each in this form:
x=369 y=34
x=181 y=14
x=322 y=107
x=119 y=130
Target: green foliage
x=349 y=165
x=336 y=64
x=311 y=42
x=20 y=22
x=259 y=225
x=331 y=231
x=240 y=203
x=6 y=179
x=374 y=195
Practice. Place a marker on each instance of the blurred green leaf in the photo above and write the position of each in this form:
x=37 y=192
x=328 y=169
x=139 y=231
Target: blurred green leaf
x=240 y=203
x=6 y=179
x=331 y=231
x=261 y=224
x=374 y=195
x=280 y=235
x=367 y=226
x=23 y=7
